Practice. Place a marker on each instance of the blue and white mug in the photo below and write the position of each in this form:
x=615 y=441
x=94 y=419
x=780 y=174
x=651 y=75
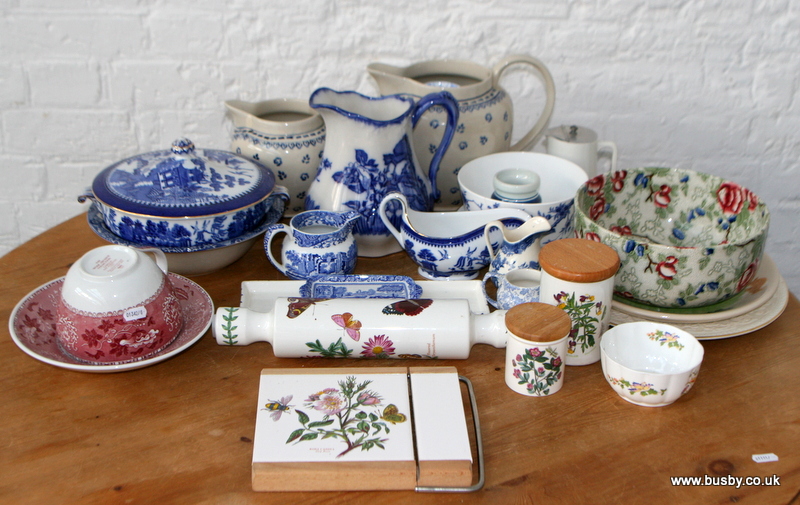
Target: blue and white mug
x=318 y=242
x=520 y=285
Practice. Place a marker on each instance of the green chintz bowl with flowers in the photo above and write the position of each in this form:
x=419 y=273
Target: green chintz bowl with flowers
x=685 y=239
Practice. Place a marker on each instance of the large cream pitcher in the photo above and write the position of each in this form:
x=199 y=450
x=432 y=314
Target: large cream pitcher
x=283 y=134
x=485 y=112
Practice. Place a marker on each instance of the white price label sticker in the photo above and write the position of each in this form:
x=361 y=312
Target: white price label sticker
x=765 y=458
x=135 y=313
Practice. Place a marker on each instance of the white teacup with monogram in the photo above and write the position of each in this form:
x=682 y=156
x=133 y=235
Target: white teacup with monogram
x=518 y=286
x=117 y=306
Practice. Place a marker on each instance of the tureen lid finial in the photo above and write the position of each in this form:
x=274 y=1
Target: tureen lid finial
x=182 y=146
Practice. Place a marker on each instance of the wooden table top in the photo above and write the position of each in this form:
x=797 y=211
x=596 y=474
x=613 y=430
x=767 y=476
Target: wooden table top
x=181 y=431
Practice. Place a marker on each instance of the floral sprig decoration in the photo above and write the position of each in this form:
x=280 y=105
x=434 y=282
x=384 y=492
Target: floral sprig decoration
x=582 y=311
x=666 y=338
x=350 y=413
x=538 y=369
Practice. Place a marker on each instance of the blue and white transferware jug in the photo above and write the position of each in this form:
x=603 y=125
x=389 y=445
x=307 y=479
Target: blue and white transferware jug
x=516 y=247
x=368 y=154
x=318 y=242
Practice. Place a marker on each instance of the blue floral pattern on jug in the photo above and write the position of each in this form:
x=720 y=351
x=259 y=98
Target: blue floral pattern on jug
x=372 y=181
x=305 y=266
x=317 y=242
x=372 y=155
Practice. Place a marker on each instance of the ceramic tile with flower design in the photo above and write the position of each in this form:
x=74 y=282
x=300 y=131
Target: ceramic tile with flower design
x=351 y=428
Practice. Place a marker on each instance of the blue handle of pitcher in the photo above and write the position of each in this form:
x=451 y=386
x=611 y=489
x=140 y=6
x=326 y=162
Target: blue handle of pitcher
x=450 y=105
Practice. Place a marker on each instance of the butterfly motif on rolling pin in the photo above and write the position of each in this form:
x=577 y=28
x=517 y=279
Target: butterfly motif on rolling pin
x=407 y=307
x=298 y=305
x=351 y=326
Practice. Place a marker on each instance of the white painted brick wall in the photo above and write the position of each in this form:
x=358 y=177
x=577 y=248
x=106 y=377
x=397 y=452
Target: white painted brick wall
x=707 y=85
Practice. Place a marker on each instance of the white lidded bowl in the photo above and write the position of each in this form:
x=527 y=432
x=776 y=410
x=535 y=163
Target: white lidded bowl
x=560 y=180
x=649 y=363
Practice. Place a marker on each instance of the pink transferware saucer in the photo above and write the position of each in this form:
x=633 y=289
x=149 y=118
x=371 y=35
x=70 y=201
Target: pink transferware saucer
x=33 y=326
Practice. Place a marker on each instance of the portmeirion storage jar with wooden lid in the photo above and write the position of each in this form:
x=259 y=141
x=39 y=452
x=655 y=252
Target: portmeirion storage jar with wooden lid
x=578 y=277
x=535 y=350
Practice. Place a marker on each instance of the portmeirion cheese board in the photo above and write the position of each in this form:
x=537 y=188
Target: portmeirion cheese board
x=364 y=429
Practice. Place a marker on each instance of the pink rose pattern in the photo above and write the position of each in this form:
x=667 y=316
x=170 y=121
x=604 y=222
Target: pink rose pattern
x=661 y=198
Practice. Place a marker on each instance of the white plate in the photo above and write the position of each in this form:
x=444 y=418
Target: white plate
x=727 y=328
x=757 y=293
x=260 y=295
x=33 y=326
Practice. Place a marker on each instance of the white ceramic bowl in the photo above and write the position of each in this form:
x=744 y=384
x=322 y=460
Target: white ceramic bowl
x=650 y=364
x=113 y=277
x=560 y=179
x=684 y=238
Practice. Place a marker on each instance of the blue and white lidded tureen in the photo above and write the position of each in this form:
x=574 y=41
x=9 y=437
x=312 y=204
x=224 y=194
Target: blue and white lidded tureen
x=185 y=197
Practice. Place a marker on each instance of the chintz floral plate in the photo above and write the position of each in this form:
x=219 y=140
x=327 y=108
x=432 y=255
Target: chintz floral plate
x=757 y=293
x=33 y=326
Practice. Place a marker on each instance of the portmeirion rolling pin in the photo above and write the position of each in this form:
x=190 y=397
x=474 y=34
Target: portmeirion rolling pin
x=363 y=328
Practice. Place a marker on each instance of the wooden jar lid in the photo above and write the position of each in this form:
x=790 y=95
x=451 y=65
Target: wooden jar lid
x=538 y=322
x=579 y=260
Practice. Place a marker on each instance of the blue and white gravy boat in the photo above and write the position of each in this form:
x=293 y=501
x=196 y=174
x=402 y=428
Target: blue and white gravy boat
x=445 y=245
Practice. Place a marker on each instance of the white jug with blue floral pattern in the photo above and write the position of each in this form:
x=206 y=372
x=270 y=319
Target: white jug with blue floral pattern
x=517 y=247
x=368 y=154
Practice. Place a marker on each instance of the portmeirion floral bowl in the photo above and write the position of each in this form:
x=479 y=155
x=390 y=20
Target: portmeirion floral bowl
x=445 y=245
x=185 y=197
x=560 y=179
x=684 y=238
x=648 y=363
